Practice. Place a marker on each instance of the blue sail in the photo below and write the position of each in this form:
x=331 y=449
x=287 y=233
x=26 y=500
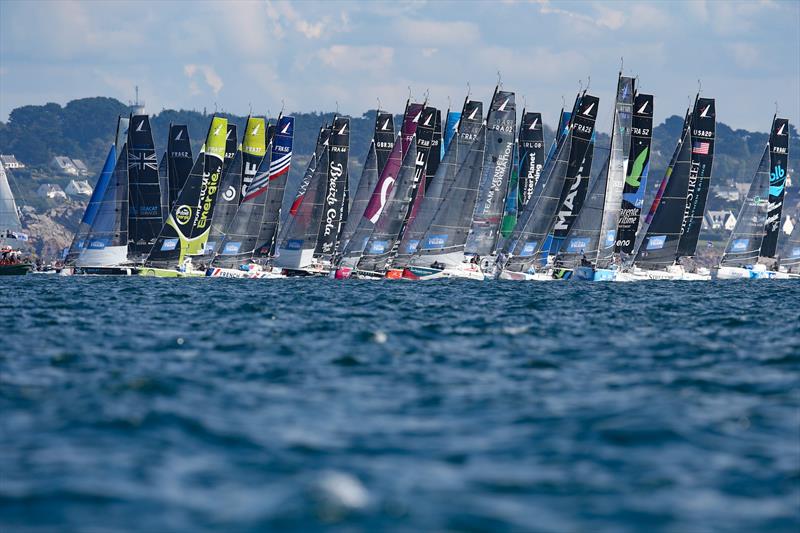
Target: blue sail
x=90 y=214
x=450 y=129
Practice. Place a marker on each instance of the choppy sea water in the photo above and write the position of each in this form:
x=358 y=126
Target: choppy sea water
x=306 y=404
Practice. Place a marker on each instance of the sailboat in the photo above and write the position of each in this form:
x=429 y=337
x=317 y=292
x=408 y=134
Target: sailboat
x=755 y=236
x=351 y=254
x=678 y=209
x=556 y=199
x=790 y=254
x=144 y=190
x=484 y=234
x=189 y=224
x=378 y=155
x=588 y=249
x=10 y=231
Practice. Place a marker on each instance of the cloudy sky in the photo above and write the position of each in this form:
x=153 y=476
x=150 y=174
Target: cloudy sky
x=311 y=55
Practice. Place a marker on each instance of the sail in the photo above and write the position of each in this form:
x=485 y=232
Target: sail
x=657 y=242
x=297 y=239
x=335 y=195
x=790 y=253
x=451 y=128
x=576 y=182
x=617 y=170
x=231 y=146
x=369 y=175
x=779 y=155
x=9 y=216
x=179 y=160
x=465 y=134
x=230 y=186
x=435 y=154
x=189 y=223
x=121 y=138
x=699 y=183
x=488 y=214
x=280 y=164
x=107 y=241
x=409 y=189
x=744 y=244
x=635 y=185
x=144 y=195
x=384 y=139
x=531 y=154
x=163 y=185
x=444 y=240
x=89 y=215
x=241 y=237
x=524 y=245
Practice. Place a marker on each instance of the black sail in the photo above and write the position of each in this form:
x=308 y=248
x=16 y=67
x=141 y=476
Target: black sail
x=636 y=176
x=144 y=196
x=227 y=204
x=336 y=198
x=531 y=154
x=384 y=139
x=179 y=160
x=435 y=154
x=778 y=158
x=699 y=183
x=231 y=146
x=163 y=184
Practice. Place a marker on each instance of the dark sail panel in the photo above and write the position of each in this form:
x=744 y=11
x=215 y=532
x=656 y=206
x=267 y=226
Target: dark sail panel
x=531 y=155
x=231 y=146
x=779 y=155
x=435 y=154
x=179 y=160
x=384 y=138
x=144 y=196
x=336 y=188
x=636 y=176
x=280 y=164
x=227 y=203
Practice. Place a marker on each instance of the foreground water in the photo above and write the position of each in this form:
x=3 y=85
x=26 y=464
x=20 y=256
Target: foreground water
x=235 y=405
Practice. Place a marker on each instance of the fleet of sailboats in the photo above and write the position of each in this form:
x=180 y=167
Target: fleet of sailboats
x=453 y=195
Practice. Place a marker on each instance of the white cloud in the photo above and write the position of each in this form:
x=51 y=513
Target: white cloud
x=209 y=75
x=428 y=33
x=284 y=16
x=745 y=55
x=355 y=58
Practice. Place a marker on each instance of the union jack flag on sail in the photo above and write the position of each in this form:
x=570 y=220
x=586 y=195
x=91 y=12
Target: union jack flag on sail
x=280 y=158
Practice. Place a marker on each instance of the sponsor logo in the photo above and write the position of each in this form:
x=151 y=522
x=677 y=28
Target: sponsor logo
x=795 y=252
x=208 y=192
x=656 y=242
x=140 y=126
x=294 y=244
x=255 y=130
x=611 y=236
x=777 y=180
x=529 y=249
x=578 y=244
x=739 y=245
x=285 y=130
x=179 y=135
x=229 y=194
x=98 y=244
x=216 y=131
x=169 y=244
x=780 y=131
x=210 y=247
x=428 y=120
x=378 y=247
x=589 y=110
x=503 y=105
x=385 y=125
x=472 y=115
x=644 y=107
x=435 y=241
x=704 y=113
x=411 y=246
x=183 y=214
x=231 y=248
x=386 y=188
x=533 y=124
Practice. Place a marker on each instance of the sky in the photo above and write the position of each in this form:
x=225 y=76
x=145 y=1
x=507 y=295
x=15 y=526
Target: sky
x=262 y=55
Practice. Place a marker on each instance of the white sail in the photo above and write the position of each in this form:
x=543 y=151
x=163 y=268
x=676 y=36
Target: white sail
x=9 y=216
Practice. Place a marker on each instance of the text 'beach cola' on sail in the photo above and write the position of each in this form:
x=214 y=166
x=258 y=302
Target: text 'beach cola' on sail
x=189 y=224
x=751 y=238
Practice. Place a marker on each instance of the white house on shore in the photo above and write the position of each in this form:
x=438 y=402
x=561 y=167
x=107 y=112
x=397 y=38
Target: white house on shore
x=717 y=220
x=10 y=162
x=64 y=165
x=78 y=188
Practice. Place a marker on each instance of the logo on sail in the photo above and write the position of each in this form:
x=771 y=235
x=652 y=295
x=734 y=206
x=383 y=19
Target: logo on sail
x=183 y=214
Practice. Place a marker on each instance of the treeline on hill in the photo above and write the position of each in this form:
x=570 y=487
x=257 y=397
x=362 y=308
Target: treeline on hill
x=84 y=129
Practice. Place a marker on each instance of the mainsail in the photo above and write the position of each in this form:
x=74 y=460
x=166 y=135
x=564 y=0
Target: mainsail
x=254 y=146
x=336 y=199
x=493 y=187
x=436 y=151
x=230 y=185
x=531 y=154
x=779 y=155
x=678 y=213
x=790 y=254
x=280 y=162
x=89 y=215
x=179 y=160
x=189 y=223
x=9 y=216
x=636 y=176
x=384 y=135
x=451 y=127
x=144 y=196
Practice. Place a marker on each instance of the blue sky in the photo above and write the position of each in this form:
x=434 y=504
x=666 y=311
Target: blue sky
x=311 y=55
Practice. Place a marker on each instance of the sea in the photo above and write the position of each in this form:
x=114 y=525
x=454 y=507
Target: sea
x=136 y=404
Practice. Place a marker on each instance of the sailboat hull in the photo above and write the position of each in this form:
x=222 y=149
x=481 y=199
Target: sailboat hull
x=426 y=273
x=749 y=272
x=19 y=269
x=247 y=274
x=169 y=273
x=104 y=271
x=587 y=273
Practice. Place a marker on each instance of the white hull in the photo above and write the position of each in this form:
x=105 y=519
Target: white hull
x=103 y=257
x=673 y=273
x=244 y=274
x=525 y=276
x=753 y=272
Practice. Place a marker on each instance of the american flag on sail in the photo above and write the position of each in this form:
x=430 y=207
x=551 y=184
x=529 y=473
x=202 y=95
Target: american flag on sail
x=700 y=148
x=280 y=158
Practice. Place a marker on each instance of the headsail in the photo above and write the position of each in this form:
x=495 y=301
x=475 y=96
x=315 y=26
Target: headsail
x=179 y=160
x=531 y=154
x=144 y=196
